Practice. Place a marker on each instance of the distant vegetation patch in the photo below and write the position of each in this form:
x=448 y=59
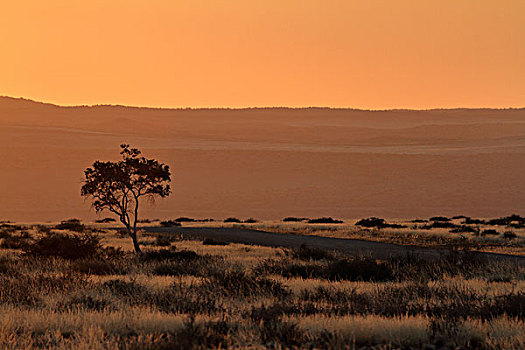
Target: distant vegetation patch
x=294 y=219
x=105 y=220
x=234 y=220
x=325 y=220
x=378 y=223
x=71 y=225
x=170 y=223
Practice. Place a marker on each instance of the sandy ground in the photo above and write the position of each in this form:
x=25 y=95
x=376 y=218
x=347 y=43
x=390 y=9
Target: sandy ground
x=270 y=163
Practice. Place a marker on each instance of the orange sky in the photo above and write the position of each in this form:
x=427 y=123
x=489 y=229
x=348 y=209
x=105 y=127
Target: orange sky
x=366 y=54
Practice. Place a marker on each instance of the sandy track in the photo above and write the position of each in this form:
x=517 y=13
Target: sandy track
x=348 y=246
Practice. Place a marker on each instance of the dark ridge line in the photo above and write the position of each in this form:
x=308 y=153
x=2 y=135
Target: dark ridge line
x=282 y=108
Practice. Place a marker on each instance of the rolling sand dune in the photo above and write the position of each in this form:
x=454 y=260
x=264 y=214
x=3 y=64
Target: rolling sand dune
x=270 y=163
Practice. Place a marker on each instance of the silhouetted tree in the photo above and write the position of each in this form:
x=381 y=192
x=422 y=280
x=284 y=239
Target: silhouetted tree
x=118 y=186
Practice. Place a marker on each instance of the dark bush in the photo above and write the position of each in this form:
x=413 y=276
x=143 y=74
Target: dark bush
x=235 y=220
x=324 y=220
x=250 y=221
x=164 y=240
x=184 y=219
x=469 y=221
x=71 y=225
x=166 y=254
x=457 y=217
x=66 y=246
x=235 y=282
x=294 y=219
x=88 y=302
x=439 y=218
x=371 y=222
x=490 y=232
x=105 y=220
x=94 y=266
x=14 y=242
x=463 y=229
x=307 y=253
x=506 y=221
x=211 y=241
x=359 y=269
x=169 y=223
x=377 y=222
x=509 y=235
x=439 y=224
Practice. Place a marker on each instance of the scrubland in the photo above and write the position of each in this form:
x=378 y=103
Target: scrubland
x=505 y=235
x=76 y=286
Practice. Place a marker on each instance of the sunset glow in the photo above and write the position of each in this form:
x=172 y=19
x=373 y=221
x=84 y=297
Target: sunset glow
x=234 y=53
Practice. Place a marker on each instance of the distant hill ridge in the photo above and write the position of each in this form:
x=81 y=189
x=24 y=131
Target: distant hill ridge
x=25 y=101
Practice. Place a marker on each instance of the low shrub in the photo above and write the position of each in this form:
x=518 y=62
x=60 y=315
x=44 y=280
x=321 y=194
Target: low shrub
x=439 y=218
x=509 y=235
x=71 y=225
x=490 y=232
x=294 y=219
x=65 y=246
x=463 y=229
x=359 y=269
x=307 y=253
x=211 y=241
x=470 y=221
x=94 y=266
x=234 y=282
x=105 y=220
x=506 y=221
x=166 y=254
x=14 y=242
x=324 y=220
x=184 y=219
x=250 y=221
x=234 y=220
x=169 y=223
x=377 y=222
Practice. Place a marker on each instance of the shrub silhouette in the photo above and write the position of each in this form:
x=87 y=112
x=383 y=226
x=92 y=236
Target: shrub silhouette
x=506 y=221
x=118 y=186
x=170 y=223
x=235 y=220
x=70 y=247
x=294 y=219
x=211 y=241
x=463 y=229
x=324 y=220
x=439 y=218
x=184 y=219
x=71 y=225
x=377 y=222
x=490 y=232
x=509 y=235
x=371 y=222
x=105 y=220
x=307 y=253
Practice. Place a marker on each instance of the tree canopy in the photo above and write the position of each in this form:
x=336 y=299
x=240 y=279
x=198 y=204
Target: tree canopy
x=118 y=186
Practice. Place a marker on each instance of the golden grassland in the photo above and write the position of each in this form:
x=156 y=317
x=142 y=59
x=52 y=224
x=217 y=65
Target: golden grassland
x=183 y=294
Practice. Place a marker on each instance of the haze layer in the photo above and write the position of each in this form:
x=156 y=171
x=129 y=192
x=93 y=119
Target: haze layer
x=270 y=163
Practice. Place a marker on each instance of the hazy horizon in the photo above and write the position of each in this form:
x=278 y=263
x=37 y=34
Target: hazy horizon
x=260 y=107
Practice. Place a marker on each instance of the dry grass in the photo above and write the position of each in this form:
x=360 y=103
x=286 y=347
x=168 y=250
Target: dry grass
x=242 y=296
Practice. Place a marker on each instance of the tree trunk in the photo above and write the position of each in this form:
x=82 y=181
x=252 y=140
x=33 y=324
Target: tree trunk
x=133 y=234
x=136 y=243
